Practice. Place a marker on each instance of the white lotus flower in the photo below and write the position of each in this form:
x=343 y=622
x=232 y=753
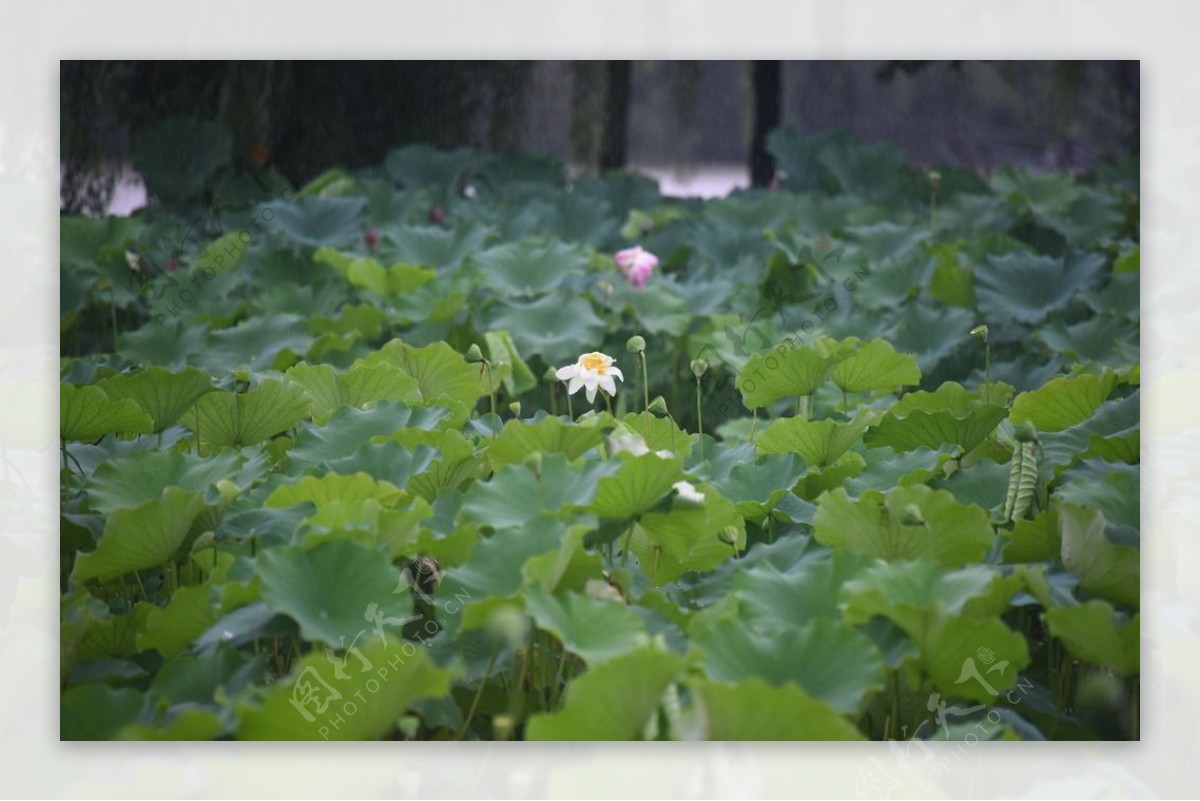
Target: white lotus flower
x=688 y=493
x=593 y=370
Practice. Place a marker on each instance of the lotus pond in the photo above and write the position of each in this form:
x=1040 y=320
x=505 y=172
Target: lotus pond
x=460 y=448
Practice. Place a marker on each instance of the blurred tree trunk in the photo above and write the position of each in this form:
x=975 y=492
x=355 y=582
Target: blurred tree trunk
x=768 y=113
x=614 y=146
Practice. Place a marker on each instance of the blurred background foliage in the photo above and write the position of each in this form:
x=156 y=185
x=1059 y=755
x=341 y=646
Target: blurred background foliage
x=595 y=115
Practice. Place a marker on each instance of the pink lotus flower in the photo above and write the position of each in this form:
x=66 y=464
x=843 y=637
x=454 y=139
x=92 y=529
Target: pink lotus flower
x=371 y=237
x=637 y=263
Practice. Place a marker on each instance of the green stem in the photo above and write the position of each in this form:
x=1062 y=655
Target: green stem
x=987 y=369
x=112 y=307
x=570 y=407
x=753 y=423
x=555 y=691
x=197 y=430
x=625 y=546
x=491 y=386
x=933 y=211
x=479 y=693
x=554 y=400
x=607 y=401
x=645 y=380
x=137 y=575
x=895 y=721
x=699 y=418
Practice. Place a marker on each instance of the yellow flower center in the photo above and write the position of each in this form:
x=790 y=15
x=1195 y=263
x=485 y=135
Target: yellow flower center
x=594 y=361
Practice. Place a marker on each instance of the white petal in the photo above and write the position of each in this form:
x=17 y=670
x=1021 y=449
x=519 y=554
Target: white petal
x=617 y=372
x=563 y=373
x=608 y=385
x=590 y=382
x=687 y=492
x=577 y=381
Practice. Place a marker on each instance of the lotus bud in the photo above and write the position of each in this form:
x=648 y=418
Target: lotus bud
x=699 y=367
x=635 y=344
x=1025 y=432
x=911 y=515
x=729 y=536
x=228 y=490
x=474 y=354
x=509 y=624
x=658 y=406
x=515 y=408
x=534 y=462
x=935 y=180
x=980 y=332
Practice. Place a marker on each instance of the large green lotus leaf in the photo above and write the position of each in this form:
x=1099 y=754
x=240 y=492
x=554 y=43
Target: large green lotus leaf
x=333 y=488
x=97 y=712
x=361 y=384
x=640 y=483
x=502 y=352
x=432 y=245
x=170 y=344
x=756 y=487
x=388 y=282
x=1115 y=422
x=557 y=327
x=1036 y=540
x=820 y=442
x=1025 y=287
x=531 y=266
x=519 y=438
x=1104 y=339
x=424 y=165
x=951 y=415
x=804 y=592
x=1063 y=402
x=880 y=525
x=349 y=429
x=597 y=630
x=1104 y=568
x=176 y=157
x=457 y=464
x=829 y=660
x=163 y=394
x=659 y=309
x=835 y=475
x=87 y=413
x=88 y=631
x=1095 y=216
x=172 y=628
x=913 y=594
x=1041 y=192
x=361 y=697
x=143 y=475
x=440 y=371
x=782 y=373
x=660 y=433
x=1121 y=296
x=1114 y=489
x=386 y=461
x=1094 y=633
x=876 y=365
x=147 y=536
x=334 y=590
x=687 y=538
x=255 y=344
x=752 y=709
x=495 y=564
x=612 y=701
x=951 y=657
x=517 y=493
x=568 y=568
x=953 y=283
x=926 y=331
x=239 y=419
x=179 y=724
x=316 y=221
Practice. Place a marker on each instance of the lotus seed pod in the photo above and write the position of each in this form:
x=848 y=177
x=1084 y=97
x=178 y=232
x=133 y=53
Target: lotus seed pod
x=729 y=536
x=699 y=367
x=509 y=624
x=1025 y=432
x=935 y=180
x=980 y=332
x=515 y=408
x=911 y=515
x=474 y=354
x=658 y=406
x=635 y=344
